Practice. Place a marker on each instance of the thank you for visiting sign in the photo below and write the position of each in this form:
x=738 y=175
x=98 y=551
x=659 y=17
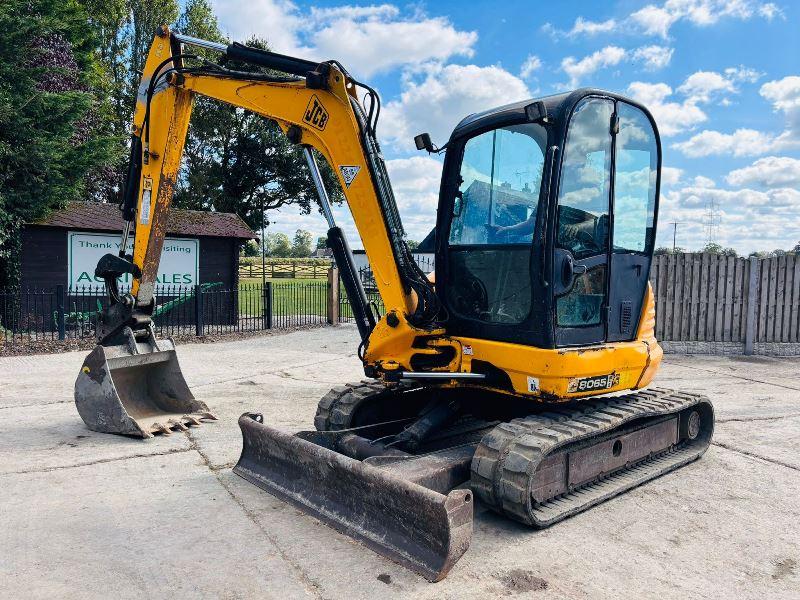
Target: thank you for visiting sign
x=179 y=267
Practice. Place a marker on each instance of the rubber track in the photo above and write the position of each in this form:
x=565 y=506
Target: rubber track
x=336 y=408
x=508 y=456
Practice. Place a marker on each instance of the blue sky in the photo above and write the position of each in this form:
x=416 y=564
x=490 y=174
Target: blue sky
x=722 y=78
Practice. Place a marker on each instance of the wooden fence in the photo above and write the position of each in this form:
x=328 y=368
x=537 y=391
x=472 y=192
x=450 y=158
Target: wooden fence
x=712 y=298
x=281 y=270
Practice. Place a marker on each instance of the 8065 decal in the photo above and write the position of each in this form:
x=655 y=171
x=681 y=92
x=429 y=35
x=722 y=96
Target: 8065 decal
x=588 y=384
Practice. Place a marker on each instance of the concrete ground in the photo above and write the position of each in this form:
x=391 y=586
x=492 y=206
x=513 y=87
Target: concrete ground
x=88 y=515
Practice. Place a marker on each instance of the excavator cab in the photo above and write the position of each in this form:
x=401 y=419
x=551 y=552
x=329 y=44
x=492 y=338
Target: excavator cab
x=547 y=221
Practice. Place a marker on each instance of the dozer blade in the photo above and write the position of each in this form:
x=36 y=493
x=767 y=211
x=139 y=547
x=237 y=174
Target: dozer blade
x=137 y=390
x=418 y=527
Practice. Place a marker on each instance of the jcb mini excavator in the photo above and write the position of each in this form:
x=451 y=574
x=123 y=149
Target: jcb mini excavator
x=519 y=377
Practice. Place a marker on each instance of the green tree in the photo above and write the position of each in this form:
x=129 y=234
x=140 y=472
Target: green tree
x=714 y=248
x=250 y=248
x=234 y=161
x=301 y=244
x=277 y=245
x=322 y=242
x=412 y=244
x=123 y=31
x=665 y=250
x=51 y=141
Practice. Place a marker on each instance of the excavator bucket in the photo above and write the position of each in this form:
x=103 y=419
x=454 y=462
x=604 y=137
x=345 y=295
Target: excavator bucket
x=389 y=503
x=136 y=389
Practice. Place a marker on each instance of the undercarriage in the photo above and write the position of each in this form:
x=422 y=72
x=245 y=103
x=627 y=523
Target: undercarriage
x=397 y=468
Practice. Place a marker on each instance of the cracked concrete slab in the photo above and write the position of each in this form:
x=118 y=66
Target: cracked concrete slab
x=53 y=436
x=145 y=527
x=777 y=440
x=167 y=516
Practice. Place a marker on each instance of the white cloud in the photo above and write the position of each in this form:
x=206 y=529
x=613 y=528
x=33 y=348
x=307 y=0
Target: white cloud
x=585 y=27
x=671 y=117
x=784 y=94
x=769 y=11
x=746 y=219
x=578 y=69
x=742 y=142
x=532 y=64
x=379 y=11
x=658 y=19
x=702 y=84
x=701 y=181
x=742 y=73
x=279 y=21
x=375 y=46
x=415 y=181
x=651 y=57
x=435 y=99
x=367 y=40
x=654 y=20
x=670 y=176
x=768 y=172
x=654 y=57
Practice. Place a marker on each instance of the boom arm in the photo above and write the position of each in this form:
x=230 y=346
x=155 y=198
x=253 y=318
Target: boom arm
x=320 y=110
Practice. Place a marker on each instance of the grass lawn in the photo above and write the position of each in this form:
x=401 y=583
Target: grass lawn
x=289 y=296
x=295 y=297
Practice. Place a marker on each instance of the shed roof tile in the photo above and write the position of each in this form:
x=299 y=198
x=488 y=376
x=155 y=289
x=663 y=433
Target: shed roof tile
x=107 y=217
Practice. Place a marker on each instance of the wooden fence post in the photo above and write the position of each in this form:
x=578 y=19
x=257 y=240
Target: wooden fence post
x=752 y=299
x=333 y=295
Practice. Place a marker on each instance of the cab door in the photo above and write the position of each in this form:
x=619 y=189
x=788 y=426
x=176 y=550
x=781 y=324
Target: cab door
x=636 y=168
x=581 y=249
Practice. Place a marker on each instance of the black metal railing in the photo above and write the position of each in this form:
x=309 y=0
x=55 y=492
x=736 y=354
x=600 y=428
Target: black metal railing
x=71 y=313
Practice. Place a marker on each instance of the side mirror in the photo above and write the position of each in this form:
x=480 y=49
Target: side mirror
x=423 y=142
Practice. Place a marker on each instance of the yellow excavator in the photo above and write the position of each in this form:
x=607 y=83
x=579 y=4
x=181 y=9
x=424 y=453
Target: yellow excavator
x=520 y=377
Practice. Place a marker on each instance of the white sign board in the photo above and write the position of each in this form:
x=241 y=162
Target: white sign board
x=179 y=267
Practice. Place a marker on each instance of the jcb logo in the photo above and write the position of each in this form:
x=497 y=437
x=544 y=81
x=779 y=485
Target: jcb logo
x=316 y=115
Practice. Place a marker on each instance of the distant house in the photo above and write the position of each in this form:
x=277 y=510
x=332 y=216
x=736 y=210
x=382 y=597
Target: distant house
x=322 y=253
x=63 y=249
x=426 y=260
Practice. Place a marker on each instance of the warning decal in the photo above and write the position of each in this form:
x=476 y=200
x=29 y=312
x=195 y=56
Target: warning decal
x=349 y=173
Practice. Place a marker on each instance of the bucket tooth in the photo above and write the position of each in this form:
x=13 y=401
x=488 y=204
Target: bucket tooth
x=177 y=424
x=136 y=390
x=162 y=428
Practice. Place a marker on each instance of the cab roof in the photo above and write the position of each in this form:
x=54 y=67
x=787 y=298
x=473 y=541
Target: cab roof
x=557 y=106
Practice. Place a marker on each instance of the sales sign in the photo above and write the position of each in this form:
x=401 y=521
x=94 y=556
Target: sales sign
x=179 y=267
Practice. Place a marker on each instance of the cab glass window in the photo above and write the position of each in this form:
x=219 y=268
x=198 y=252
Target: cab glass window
x=583 y=200
x=501 y=173
x=492 y=226
x=635 y=178
x=583 y=210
